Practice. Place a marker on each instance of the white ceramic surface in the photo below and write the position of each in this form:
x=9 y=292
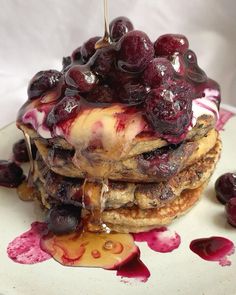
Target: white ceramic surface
x=180 y=272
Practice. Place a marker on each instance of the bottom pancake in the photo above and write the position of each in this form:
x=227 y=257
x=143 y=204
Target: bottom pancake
x=136 y=220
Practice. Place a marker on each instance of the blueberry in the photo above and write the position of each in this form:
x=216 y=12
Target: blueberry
x=88 y=48
x=64 y=110
x=63 y=219
x=231 y=211
x=225 y=187
x=170 y=43
x=81 y=78
x=42 y=82
x=119 y=27
x=169 y=108
x=11 y=175
x=135 y=51
x=158 y=71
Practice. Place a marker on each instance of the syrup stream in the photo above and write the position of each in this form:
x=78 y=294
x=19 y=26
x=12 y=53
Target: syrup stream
x=31 y=160
x=106 y=40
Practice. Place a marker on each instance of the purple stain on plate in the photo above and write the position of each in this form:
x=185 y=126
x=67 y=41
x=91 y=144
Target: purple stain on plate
x=26 y=249
x=160 y=240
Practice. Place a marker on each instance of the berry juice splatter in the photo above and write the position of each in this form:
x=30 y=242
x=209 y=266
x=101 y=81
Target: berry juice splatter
x=160 y=240
x=134 y=269
x=26 y=249
x=213 y=249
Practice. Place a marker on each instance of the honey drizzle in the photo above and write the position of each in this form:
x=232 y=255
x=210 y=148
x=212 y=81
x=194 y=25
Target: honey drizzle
x=31 y=160
x=106 y=40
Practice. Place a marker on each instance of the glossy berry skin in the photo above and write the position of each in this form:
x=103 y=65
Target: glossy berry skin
x=101 y=94
x=231 y=211
x=88 y=48
x=81 y=78
x=42 y=82
x=168 y=44
x=225 y=187
x=135 y=51
x=63 y=219
x=11 y=175
x=119 y=27
x=193 y=72
x=169 y=109
x=132 y=93
x=76 y=55
x=20 y=151
x=158 y=71
x=65 y=109
x=103 y=60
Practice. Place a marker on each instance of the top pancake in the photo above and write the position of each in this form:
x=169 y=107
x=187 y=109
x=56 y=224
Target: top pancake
x=140 y=144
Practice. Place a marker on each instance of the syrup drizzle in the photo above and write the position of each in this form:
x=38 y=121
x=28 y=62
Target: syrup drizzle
x=106 y=40
x=31 y=160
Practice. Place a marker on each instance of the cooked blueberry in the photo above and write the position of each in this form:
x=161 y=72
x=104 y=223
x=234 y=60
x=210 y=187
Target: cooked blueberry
x=231 y=211
x=158 y=71
x=169 y=109
x=64 y=110
x=101 y=93
x=81 y=78
x=135 y=51
x=102 y=61
x=119 y=27
x=178 y=63
x=11 y=175
x=132 y=93
x=76 y=55
x=43 y=81
x=170 y=43
x=88 y=48
x=225 y=187
x=21 y=153
x=190 y=57
x=63 y=219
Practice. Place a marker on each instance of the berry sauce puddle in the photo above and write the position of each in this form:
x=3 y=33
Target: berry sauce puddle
x=213 y=249
x=27 y=249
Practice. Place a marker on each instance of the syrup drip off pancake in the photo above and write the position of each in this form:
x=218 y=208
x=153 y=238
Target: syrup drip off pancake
x=125 y=132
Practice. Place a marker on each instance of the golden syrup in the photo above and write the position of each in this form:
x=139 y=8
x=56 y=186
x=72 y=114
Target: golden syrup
x=106 y=40
x=31 y=160
x=90 y=249
x=27 y=192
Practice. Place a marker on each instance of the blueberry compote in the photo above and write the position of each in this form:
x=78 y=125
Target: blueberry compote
x=160 y=79
x=11 y=175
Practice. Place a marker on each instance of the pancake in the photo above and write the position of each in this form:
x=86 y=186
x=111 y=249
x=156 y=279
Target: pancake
x=170 y=161
x=142 y=143
x=125 y=198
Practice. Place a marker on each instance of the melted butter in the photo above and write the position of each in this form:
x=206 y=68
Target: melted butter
x=100 y=127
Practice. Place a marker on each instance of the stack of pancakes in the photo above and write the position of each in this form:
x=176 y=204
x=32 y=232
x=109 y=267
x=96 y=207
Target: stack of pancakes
x=149 y=186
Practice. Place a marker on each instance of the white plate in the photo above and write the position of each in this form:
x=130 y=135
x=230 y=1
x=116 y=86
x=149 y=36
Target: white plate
x=178 y=272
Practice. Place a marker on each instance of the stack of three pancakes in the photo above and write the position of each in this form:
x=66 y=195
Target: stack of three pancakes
x=121 y=176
